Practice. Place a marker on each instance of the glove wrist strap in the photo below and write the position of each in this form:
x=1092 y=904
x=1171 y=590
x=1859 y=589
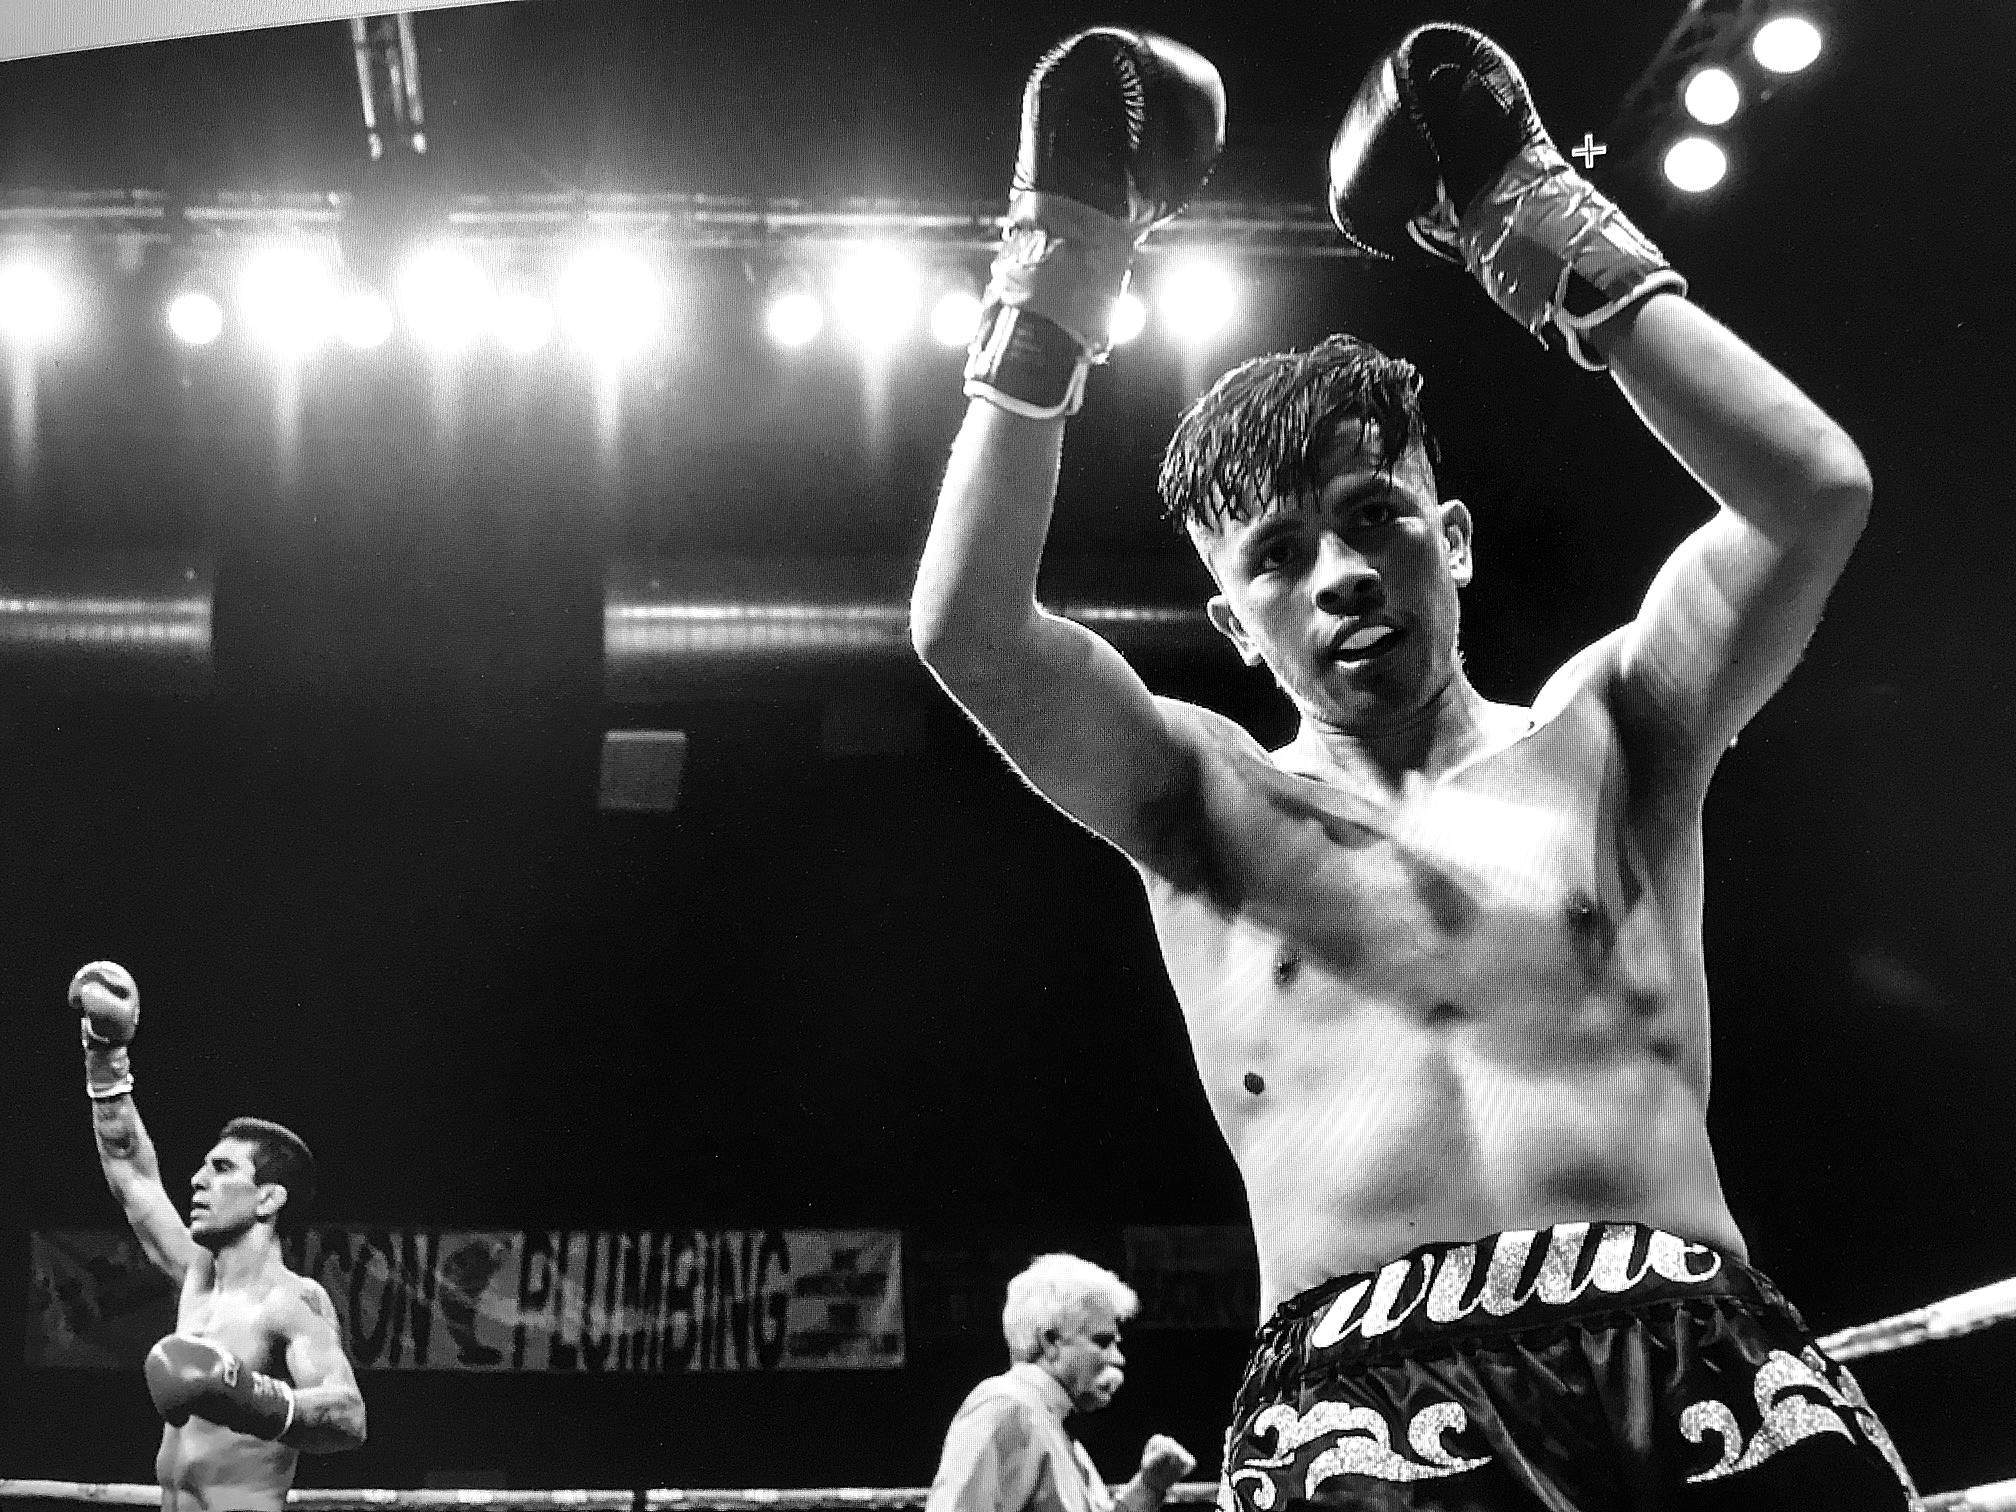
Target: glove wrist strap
x=1556 y=255
x=108 y=1070
x=1026 y=364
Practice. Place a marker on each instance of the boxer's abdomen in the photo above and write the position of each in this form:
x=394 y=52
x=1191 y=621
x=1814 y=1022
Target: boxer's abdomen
x=1476 y=1009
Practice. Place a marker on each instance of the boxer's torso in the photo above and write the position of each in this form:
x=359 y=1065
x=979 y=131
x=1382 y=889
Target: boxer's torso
x=1465 y=1006
x=203 y=1467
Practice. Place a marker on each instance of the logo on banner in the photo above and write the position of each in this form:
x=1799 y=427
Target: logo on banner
x=568 y=1301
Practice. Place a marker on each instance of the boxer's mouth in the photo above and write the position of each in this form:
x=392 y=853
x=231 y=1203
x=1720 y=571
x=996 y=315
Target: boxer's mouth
x=1365 y=643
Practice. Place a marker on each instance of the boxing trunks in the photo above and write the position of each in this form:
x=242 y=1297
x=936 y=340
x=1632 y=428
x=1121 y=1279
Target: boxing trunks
x=1603 y=1367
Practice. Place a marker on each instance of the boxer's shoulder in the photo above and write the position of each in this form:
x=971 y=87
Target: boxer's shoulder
x=291 y=1300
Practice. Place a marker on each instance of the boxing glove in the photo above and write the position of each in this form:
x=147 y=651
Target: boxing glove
x=1119 y=130
x=193 y=1377
x=107 y=1000
x=1442 y=146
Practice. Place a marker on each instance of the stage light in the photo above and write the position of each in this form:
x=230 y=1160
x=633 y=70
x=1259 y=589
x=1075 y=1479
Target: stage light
x=288 y=296
x=1129 y=319
x=364 y=320
x=446 y=298
x=524 y=323
x=876 y=295
x=1786 y=44
x=1712 y=97
x=611 y=302
x=955 y=317
x=34 y=305
x=194 y=318
x=1695 y=164
x=1197 y=299
x=794 y=317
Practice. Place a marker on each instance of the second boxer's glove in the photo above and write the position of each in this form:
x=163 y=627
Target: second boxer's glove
x=1119 y=129
x=107 y=1002
x=194 y=1378
x=1442 y=146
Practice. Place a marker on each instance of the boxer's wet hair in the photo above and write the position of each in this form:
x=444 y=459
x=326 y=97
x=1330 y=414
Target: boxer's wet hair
x=278 y=1155
x=1258 y=433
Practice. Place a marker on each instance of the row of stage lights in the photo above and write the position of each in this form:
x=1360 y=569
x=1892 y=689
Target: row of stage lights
x=1713 y=95
x=611 y=303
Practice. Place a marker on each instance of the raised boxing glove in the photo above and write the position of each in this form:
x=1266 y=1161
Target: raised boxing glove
x=1442 y=147
x=1119 y=129
x=107 y=1000
x=194 y=1378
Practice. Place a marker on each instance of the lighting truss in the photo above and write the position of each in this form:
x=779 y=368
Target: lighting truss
x=139 y=219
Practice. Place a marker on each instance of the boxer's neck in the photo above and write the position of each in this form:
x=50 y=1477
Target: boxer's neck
x=1452 y=728
x=246 y=1257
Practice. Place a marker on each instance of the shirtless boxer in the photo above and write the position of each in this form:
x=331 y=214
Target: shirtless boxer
x=233 y=1427
x=1439 y=958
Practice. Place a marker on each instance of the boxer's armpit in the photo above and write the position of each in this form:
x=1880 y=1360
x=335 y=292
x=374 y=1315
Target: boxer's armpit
x=1173 y=840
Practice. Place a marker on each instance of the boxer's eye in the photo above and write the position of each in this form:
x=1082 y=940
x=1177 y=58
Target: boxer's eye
x=1272 y=555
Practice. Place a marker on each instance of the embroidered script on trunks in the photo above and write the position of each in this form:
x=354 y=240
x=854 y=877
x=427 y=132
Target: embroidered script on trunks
x=1445 y=1283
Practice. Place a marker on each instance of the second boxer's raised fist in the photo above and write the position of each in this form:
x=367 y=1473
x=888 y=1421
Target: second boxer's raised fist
x=106 y=996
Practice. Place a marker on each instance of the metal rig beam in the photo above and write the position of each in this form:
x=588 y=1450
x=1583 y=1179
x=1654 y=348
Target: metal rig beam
x=388 y=79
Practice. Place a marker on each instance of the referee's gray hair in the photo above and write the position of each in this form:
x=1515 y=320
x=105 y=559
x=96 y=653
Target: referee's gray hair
x=1053 y=1293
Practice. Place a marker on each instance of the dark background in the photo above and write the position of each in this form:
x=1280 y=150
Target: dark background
x=365 y=886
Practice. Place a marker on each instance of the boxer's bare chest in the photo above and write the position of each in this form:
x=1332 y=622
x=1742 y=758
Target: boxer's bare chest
x=233 y=1318
x=1514 y=876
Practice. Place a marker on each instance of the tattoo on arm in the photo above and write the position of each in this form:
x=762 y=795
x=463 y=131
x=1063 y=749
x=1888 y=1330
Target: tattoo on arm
x=328 y=1416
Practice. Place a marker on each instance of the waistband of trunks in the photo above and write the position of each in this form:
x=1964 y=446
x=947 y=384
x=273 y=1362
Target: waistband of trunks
x=1510 y=1281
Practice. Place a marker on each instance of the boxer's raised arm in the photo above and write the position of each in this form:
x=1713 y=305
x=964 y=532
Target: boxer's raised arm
x=108 y=1003
x=126 y=1155
x=1119 y=128
x=1063 y=706
x=1443 y=150
x=1731 y=611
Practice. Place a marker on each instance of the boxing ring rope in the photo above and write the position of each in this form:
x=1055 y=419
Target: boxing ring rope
x=657 y=1499
x=1994 y=1303
x=1947 y=1319
x=1998 y=1497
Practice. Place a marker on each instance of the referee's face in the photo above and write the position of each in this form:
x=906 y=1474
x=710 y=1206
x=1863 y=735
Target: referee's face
x=1086 y=1360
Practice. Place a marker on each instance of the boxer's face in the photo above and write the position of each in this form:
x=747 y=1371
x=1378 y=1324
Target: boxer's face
x=1086 y=1360
x=226 y=1198
x=1348 y=595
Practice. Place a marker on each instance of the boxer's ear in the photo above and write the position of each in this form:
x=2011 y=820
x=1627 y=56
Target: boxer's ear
x=1456 y=537
x=1219 y=611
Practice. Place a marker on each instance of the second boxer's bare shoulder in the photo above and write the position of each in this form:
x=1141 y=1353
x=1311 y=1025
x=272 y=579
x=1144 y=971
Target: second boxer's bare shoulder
x=201 y=1275
x=293 y=1297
